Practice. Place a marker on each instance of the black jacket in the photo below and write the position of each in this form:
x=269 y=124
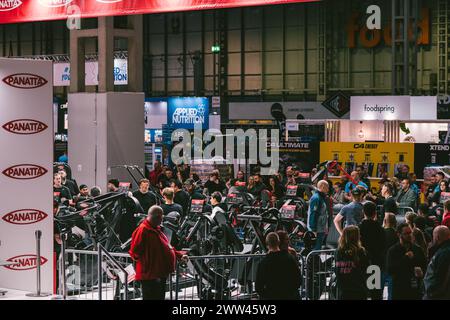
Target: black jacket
x=405 y=286
x=278 y=277
x=437 y=278
x=374 y=241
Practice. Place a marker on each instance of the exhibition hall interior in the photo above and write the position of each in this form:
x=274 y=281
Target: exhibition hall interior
x=225 y=151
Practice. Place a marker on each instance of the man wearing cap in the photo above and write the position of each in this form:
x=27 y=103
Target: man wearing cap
x=352 y=213
x=189 y=186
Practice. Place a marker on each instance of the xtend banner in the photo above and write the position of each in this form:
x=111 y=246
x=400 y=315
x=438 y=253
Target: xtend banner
x=380 y=108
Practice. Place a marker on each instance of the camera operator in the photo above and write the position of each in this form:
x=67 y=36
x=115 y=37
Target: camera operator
x=169 y=206
x=155 y=257
x=61 y=193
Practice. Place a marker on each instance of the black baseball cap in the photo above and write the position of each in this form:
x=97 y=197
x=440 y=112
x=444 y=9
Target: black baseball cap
x=357 y=191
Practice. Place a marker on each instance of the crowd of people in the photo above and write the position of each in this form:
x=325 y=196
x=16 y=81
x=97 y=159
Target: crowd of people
x=413 y=255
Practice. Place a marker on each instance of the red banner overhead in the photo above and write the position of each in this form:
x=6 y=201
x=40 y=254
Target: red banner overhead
x=13 y=11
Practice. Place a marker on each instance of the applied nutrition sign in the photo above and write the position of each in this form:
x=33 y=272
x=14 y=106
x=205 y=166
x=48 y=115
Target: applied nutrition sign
x=380 y=108
x=13 y=11
x=187 y=112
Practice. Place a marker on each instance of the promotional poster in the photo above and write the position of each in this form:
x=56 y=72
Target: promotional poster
x=378 y=159
x=430 y=155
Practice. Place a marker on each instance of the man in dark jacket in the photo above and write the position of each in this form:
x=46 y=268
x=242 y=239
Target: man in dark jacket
x=318 y=214
x=373 y=240
x=278 y=276
x=155 y=257
x=406 y=263
x=437 y=278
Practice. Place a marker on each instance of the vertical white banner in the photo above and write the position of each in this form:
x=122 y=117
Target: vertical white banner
x=26 y=139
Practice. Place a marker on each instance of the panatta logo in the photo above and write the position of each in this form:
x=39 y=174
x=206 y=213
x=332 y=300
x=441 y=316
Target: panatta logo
x=25 y=262
x=54 y=3
x=7 y=5
x=25 y=172
x=25 y=126
x=25 y=81
x=25 y=216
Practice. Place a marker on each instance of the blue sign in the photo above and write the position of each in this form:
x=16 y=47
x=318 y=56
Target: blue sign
x=153 y=136
x=184 y=113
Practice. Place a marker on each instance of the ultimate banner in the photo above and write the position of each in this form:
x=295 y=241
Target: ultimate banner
x=430 y=155
x=13 y=11
x=303 y=155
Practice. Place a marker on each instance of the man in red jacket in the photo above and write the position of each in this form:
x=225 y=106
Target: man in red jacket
x=155 y=173
x=155 y=257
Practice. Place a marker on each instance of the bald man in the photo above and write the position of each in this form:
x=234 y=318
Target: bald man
x=437 y=278
x=155 y=257
x=318 y=213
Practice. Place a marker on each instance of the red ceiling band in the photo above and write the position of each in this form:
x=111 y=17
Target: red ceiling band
x=14 y=11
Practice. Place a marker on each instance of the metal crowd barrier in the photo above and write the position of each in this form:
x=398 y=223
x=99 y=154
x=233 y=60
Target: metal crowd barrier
x=319 y=278
x=82 y=269
x=222 y=277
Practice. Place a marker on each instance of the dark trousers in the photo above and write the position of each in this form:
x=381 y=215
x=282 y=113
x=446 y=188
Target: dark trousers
x=154 y=289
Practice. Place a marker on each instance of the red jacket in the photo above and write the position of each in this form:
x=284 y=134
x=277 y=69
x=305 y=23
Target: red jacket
x=446 y=220
x=153 y=177
x=155 y=257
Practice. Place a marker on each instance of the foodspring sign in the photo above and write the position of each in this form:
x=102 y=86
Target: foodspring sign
x=187 y=112
x=380 y=108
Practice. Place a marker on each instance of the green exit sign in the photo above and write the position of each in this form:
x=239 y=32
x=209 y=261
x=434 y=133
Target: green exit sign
x=215 y=48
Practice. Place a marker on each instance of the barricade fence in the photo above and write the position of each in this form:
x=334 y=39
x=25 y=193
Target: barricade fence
x=221 y=277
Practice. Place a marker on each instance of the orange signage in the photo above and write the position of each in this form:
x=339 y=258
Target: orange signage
x=372 y=38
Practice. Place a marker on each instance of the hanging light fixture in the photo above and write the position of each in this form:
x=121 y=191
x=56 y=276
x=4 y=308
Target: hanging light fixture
x=361 y=132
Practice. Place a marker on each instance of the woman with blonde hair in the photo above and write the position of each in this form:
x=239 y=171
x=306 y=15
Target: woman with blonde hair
x=351 y=266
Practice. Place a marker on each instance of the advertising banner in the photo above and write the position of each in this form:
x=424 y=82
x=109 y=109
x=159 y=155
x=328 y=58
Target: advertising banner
x=430 y=155
x=13 y=11
x=380 y=108
x=186 y=112
x=377 y=158
x=291 y=110
x=303 y=155
x=61 y=73
x=26 y=136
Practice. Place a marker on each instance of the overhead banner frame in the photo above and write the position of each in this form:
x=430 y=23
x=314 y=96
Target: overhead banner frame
x=14 y=11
